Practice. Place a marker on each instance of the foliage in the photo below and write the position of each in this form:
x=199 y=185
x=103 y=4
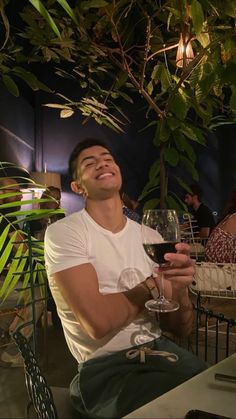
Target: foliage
x=120 y=51
x=25 y=253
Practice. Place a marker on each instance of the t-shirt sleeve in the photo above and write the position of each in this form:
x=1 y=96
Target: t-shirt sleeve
x=64 y=248
x=206 y=218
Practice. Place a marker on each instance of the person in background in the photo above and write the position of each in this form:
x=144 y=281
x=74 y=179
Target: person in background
x=129 y=206
x=221 y=245
x=110 y=332
x=201 y=213
x=10 y=319
x=37 y=230
x=38 y=227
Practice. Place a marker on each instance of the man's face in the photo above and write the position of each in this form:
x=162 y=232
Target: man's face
x=11 y=186
x=97 y=173
x=189 y=200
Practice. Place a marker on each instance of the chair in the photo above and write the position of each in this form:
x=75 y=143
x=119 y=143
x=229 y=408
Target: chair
x=217 y=280
x=189 y=234
x=48 y=402
x=214 y=281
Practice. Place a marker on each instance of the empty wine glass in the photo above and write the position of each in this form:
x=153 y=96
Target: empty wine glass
x=160 y=233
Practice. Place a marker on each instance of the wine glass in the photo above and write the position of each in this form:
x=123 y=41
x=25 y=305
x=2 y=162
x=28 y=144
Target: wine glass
x=160 y=233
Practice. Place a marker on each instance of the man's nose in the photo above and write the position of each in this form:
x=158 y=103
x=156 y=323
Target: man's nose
x=101 y=163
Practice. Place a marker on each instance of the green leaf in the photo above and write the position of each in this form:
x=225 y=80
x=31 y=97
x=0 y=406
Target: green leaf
x=30 y=79
x=88 y=4
x=173 y=203
x=204 y=39
x=150 y=186
x=126 y=97
x=230 y=8
x=151 y=204
x=183 y=185
x=173 y=122
x=150 y=88
x=190 y=167
x=171 y=156
x=192 y=133
x=184 y=146
x=68 y=10
x=197 y=15
x=154 y=169
x=121 y=79
x=41 y=9
x=156 y=73
x=179 y=106
x=10 y=85
x=162 y=133
x=165 y=80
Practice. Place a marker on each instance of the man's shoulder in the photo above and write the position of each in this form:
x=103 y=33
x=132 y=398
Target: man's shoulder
x=204 y=208
x=69 y=221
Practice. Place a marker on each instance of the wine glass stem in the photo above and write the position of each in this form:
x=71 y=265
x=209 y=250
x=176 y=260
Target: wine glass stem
x=161 y=296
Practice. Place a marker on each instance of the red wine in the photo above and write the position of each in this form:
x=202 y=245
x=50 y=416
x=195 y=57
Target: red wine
x=157 y=251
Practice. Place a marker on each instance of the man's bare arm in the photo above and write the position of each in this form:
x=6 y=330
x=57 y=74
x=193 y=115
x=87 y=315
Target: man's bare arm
x=98 y=314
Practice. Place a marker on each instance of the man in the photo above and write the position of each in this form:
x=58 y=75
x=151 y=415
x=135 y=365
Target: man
x=86 y=254
x=201 y=213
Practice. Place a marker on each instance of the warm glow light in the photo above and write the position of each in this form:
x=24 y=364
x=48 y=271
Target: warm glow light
x=184 y=52
x=46 y=179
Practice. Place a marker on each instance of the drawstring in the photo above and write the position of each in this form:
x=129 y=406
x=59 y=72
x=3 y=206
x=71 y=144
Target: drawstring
x=144 y=350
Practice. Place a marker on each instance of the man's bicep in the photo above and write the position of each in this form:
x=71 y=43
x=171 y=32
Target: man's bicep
x=79 y=287
x=77 y=282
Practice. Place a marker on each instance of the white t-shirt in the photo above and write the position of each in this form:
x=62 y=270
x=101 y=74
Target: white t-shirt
x=78 y=239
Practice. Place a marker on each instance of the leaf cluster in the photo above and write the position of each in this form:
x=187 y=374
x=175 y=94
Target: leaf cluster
x=120 y=51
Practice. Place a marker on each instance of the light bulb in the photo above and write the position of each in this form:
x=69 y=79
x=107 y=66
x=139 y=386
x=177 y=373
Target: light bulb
x=184 y=53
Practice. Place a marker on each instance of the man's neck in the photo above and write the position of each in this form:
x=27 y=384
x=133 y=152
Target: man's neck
x=107 y=213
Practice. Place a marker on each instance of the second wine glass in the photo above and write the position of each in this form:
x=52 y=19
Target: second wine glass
x=160 y=233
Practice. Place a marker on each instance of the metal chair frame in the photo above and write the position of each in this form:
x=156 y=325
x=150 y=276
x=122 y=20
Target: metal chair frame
x=39 y=392
x=214 y=281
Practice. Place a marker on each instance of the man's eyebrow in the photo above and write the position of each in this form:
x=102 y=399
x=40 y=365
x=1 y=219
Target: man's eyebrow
x=93 y=157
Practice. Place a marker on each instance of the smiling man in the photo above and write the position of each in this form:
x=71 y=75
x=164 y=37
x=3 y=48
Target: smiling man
x=88 y=255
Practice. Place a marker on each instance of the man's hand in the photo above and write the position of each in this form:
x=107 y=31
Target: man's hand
x=180 y=267
x=178 y=275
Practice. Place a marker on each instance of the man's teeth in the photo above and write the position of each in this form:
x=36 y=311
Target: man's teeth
x=105 y=175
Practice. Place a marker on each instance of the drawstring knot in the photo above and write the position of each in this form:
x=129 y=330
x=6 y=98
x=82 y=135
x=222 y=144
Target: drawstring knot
x=144 y=350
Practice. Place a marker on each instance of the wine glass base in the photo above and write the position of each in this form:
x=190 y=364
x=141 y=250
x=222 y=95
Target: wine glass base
x=162 y=306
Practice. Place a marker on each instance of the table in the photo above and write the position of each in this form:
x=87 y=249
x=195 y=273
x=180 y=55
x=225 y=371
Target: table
x=201 y=392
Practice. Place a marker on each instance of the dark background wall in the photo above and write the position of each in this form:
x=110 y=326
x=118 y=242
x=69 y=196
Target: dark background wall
x=33 y=135
x=16 y=130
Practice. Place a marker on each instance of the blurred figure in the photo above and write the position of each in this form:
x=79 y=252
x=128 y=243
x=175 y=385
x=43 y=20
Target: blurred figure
x=129 y=206
x=11 y=316
x=221 y=245
x=38 y=227
x=201 y=213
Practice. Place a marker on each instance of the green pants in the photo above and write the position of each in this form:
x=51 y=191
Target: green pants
x=112 y=386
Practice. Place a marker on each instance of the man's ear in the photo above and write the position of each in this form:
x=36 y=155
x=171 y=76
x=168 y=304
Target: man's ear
x=77 y=188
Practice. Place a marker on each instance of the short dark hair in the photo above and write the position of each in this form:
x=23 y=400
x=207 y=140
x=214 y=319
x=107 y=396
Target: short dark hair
x=50 y=190
x=196 y=190
x=83 y=145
